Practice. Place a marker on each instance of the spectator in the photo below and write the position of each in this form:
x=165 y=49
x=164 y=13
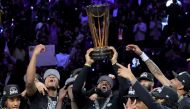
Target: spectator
x=155 y=28
x=175 y=12
x=139 y=31
x=54 y=32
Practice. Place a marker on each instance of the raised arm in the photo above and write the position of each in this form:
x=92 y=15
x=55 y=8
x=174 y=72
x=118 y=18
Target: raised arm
x=81 y=78
x=142 y=93
x=62 y=94
x=31 y=70
x=123 y=83
x=154 y=69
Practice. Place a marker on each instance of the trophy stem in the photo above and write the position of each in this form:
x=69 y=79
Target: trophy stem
x=99 y=30
x=95 y=36
x=92 y=29
x=103 y=34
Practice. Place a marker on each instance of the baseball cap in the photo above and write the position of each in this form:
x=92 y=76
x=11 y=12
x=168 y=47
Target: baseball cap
x=131 y=93
x=146 y=76
x=11 y=91
x=165 y=92
x=49 y=72
x=106 y=78
x=184 y=78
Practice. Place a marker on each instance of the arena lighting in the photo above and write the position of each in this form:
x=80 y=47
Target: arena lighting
x=169 y=2
x=93 y=69
x=1 y=29
x=12 y=24
x=31 y=7
x=164 y=22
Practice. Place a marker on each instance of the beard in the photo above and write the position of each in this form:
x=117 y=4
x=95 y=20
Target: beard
x=52 y=86
x=104 y=91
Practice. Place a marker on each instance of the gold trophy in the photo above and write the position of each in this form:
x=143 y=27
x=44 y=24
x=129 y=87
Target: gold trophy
x=98 y=20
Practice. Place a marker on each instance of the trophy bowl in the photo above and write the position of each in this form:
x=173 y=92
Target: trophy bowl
x=101 y=53
x=98 y=20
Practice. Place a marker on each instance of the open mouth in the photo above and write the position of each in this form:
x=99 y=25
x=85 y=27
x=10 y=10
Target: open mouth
x=104 y=88
x=51 y=80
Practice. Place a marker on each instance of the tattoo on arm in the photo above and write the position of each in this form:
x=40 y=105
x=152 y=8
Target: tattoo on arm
x=153 y=67
x=155 y=70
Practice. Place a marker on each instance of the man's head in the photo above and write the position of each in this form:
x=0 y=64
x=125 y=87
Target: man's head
x=166 y=96
x=147 y=80
x=134 y=98
x=11 y=97
x=51 y=77
x=181 y=82
x=105 y=83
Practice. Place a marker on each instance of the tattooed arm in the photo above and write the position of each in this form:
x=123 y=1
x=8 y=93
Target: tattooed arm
x=154 y=69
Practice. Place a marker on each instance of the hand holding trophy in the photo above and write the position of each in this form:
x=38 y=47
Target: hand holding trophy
x=98 y=19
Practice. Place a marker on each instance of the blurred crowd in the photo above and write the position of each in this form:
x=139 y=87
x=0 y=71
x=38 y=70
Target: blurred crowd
x=160 y=28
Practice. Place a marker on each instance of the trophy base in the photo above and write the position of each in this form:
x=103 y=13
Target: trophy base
x=101 y=53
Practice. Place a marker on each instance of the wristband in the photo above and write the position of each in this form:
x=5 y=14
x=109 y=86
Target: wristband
x=88 y=65
x=144 y=57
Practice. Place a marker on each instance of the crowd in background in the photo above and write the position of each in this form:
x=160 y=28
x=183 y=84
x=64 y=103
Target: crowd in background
x=163 y=32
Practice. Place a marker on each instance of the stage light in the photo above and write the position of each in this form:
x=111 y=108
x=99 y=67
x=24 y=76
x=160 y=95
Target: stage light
x=169 y=2
x=31 y=7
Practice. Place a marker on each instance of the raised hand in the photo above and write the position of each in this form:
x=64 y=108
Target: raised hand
x=89 y=60
x=134 y=48
x=62 y=94
x=41 y=87
x=126 y=72
x=38 y=49
x=129 y=104
x=115 y=55
x=93 y=97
